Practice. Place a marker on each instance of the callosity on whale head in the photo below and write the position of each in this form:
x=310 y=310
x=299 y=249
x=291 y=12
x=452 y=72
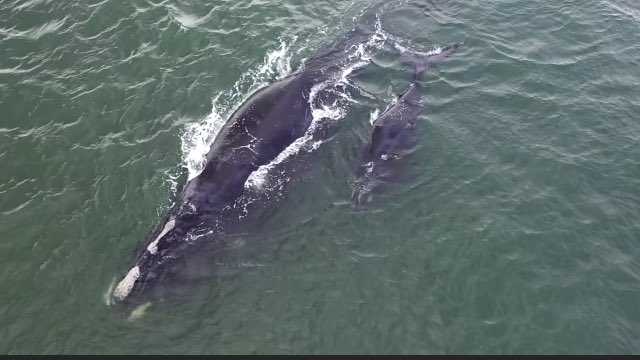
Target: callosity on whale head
x=159 y=251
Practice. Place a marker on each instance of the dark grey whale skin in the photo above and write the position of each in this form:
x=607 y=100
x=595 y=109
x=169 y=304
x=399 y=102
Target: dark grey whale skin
x=394 y=136
x=269 y=121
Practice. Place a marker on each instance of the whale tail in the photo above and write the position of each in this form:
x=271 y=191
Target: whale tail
x=422 y=62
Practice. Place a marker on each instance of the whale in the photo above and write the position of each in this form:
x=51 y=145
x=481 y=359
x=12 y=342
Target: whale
x=257 y=132
x=394 y=135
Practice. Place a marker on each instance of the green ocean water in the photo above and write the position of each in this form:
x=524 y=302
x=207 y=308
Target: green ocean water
x=516 y=230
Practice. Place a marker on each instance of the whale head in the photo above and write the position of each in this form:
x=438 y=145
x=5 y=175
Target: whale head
x=164 y=245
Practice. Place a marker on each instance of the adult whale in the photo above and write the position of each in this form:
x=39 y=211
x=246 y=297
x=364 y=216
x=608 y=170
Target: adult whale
x=268 y=122
x=393 y=136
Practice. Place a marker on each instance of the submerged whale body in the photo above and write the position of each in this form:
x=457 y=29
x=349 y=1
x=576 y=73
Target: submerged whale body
x=393 y=136
x=255 y=134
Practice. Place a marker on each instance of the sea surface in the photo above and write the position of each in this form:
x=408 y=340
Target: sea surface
x=516 y=228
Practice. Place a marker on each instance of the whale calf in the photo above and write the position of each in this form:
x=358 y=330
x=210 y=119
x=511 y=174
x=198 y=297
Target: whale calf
x=394 y=136
x=268 y=122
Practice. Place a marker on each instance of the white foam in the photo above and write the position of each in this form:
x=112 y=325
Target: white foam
x=277 y=62
x=374 y=116
x=126 y=285
x=401 y=48
x=435 y=51
x=197 y=138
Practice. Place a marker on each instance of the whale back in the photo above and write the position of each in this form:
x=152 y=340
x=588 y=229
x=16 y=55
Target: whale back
x=269 y=121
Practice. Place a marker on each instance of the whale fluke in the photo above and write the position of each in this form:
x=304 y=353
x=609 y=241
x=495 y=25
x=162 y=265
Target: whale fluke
x=422 y=62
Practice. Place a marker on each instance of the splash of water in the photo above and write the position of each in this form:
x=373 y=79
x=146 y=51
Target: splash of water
x=435 y=50
x=373 y=116
x=197 y=138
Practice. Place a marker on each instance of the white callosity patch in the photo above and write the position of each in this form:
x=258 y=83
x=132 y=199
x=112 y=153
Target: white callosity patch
x=126 y=285
x=153 y=246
